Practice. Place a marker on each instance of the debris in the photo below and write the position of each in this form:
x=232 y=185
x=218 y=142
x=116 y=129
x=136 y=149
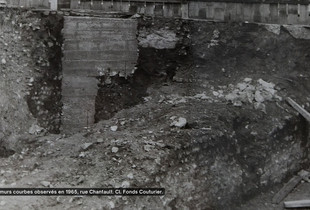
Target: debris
x=237 y=103
x=86 y=146
x=246 y=92
x=75 y=198
x=35 y=129
x=45 y=183
x=136 y=16
x=273 y=28
x=58 y=199
x=248 y=80
x=80 y=180
x=215 y=93
x=100 y=140
x=112 y=205
x=148 y=147
x=260 y=106
x=180 y=123
x=202 y=96
x=231 y=96
x=125 y=184
x=242 y=86
x=297 y=204
x=130 y=175
x=298 y=108
x=115 y=149
x=3 y=61
x=173 y=117
x=114 y=128
x=259 y=97
x=305 y=175
x=82 y=154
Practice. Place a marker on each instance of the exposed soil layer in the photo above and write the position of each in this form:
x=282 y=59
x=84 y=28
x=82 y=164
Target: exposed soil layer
x=240 y=139
x=32 y=58
x=44 y=100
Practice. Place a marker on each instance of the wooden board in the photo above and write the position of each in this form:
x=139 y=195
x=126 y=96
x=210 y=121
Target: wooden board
x=288 y=187
x=299 y=109
x=297 y=204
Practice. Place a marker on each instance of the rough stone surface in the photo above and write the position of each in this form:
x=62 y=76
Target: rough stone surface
x=94 y=47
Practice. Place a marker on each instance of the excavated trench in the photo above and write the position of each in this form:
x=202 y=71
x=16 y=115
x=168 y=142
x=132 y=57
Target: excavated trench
x=155 y=67
x=247 y=152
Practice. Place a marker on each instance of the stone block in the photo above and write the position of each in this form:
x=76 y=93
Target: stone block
x=100 y=55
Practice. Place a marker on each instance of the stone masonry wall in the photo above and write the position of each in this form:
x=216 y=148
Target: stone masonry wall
x=93 y=47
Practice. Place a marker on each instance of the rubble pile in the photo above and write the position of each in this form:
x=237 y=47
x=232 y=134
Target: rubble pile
x=247 y=91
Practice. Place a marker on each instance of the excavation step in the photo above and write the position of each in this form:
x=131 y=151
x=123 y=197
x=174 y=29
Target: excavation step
x=93 y=47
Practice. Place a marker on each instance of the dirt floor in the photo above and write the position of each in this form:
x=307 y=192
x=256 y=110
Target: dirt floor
x=204 y=117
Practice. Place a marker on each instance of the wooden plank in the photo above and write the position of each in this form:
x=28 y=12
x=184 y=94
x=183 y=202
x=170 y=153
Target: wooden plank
x=288 y=187
x=299 y=109
x=297 y=204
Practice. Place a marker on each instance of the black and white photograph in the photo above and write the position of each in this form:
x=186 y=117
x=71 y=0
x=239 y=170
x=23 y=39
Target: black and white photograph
x=154 y=104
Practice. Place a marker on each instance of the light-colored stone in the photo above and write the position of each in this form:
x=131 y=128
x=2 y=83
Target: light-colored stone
x=260 y=106
x=202 y=96
x=35 y=129
x=115 y=149
x=273 y=28
x=242 y=86
x=266 y=85
x=231 y=97
x=86 y=146
x=100 y=140
x=247 y=80
x=148 y=147
x=114 y=128
x=3 y=61
x=258 y=96
x=237 y=103
x=130 y=175
x=180 y=123
x=111 y=204
x=125 y=184
x=45 y=183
